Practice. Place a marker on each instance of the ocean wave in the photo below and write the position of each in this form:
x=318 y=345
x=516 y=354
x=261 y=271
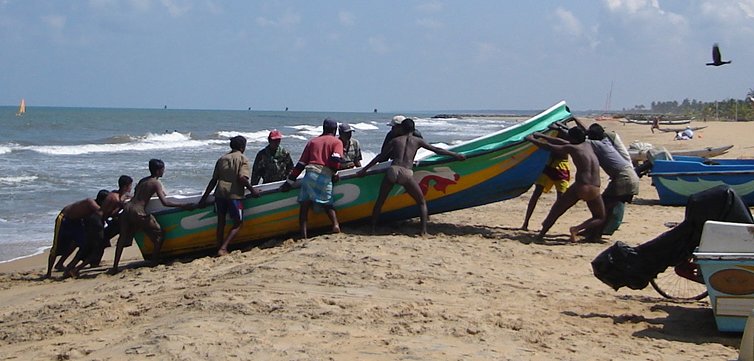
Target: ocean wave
x=4 y=149
x=16 y=180
x=150 y=141
x=364 y=126
x=308 y=130
x=256 y=137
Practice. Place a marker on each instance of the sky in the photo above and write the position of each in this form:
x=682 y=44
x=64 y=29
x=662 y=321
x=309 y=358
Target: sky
x=361 y=55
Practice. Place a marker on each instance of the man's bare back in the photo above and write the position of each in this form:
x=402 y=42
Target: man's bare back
x=80 y=209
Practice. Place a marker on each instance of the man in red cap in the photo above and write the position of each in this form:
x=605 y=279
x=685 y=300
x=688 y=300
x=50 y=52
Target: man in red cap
x=273 y=162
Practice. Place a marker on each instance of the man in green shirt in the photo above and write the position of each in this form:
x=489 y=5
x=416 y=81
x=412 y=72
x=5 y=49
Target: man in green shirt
x=273 y=163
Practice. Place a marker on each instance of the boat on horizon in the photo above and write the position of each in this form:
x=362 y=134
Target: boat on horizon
x=21 y=108
x=498 y=166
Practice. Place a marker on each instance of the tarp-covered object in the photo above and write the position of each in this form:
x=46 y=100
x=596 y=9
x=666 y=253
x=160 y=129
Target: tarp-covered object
x=622 y=265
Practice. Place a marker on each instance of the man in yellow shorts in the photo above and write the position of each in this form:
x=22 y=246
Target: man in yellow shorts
x=557 y=173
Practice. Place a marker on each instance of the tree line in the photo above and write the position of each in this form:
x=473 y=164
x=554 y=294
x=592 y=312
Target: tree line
x=729 y=109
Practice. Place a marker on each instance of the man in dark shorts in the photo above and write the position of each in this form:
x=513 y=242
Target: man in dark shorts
x=402 y=150
x=229 y=181
x=135 y=218
x=90 y=249
x=586 y=185
x=321 y=158
x=70 y=231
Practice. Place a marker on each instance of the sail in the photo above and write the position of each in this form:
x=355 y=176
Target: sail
x=21 y=108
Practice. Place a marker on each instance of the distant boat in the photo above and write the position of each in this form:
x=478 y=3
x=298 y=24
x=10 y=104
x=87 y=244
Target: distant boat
x=21 y=108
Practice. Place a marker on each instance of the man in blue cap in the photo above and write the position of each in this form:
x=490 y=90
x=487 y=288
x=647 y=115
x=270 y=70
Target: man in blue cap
x=321 y=159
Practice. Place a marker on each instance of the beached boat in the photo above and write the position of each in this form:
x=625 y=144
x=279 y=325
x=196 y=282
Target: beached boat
x=680 y=177
x=499 y=166
x=676 y=130
x=640 y=155
x=661 y=122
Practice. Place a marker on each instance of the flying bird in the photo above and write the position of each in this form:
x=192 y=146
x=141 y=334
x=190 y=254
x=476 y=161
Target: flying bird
x=716 y=58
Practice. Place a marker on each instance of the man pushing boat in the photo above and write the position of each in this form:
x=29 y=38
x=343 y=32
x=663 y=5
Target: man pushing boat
x=402 y=150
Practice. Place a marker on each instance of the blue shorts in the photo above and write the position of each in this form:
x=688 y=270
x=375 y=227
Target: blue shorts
x=230 y=207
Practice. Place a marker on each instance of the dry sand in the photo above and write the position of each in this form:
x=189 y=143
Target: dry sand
x=476 y=289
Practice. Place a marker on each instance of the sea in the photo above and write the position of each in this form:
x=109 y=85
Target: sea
x=53 y=156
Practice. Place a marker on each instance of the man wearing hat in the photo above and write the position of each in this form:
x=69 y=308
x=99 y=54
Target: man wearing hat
x=321 y=158
x=395 y=130
x=351 y=148
x=273 y=162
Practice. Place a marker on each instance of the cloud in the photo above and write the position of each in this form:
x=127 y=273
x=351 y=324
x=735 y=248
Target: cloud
x=430 y=7
x=647 y=21
x=567 y=22
x=287 y=20
x=346 y=18
x=728 y=12
x=177 y=8
x=378 y=44
x=429 y=23
x=486 y=51
x=54 y=22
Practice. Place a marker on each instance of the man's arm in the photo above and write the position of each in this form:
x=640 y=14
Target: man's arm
x=210 y=186
x=439 y=150
x=164 y=200
x=256 y=169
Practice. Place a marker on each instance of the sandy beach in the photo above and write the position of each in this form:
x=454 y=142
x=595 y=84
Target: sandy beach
x=476 y=289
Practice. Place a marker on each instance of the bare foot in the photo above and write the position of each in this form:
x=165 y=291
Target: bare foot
x=525 y=227
x=222 y=252
x=112 y=271
x=336 y=229
x=574 y=231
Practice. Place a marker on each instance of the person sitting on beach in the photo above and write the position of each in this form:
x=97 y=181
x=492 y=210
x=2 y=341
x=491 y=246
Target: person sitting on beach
x=229 y=181
x=351 y=147
x=586 y=185
x=321 y=159
x=273 y=162
x=70 y=231
x=402 y=150
x=557 y=173
x=135 y=218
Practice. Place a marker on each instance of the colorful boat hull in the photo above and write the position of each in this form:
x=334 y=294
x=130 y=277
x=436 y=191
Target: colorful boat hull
x=675 y=180
x=499 y=166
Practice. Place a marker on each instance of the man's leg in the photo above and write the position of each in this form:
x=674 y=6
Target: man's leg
x=597 y=207
x=303 y=216
x=231 y=234
x=532 y=204
x=330 y=210
x=562 y=204
x=413 y=189
x=385 y=188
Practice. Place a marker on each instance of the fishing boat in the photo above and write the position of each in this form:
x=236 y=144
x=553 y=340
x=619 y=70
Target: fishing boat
x=679 y=177
x=21 y=108
x=676 y=130
x=498 y=166
x=660 y=122
x=640 y=155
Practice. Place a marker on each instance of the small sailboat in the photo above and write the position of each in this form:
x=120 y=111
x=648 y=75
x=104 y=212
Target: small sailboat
x=21 y=108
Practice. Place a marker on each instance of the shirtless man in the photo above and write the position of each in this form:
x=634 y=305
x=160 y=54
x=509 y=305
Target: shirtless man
x=586 y=185
x=135 y=217
x=70 y=231
x=402 y=150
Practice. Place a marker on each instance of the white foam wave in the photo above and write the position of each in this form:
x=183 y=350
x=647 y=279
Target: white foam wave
x=148 y=142
x=4 y=149
x=15 y=180
x=258 y=136
x=39 y=250
x=364 y=126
